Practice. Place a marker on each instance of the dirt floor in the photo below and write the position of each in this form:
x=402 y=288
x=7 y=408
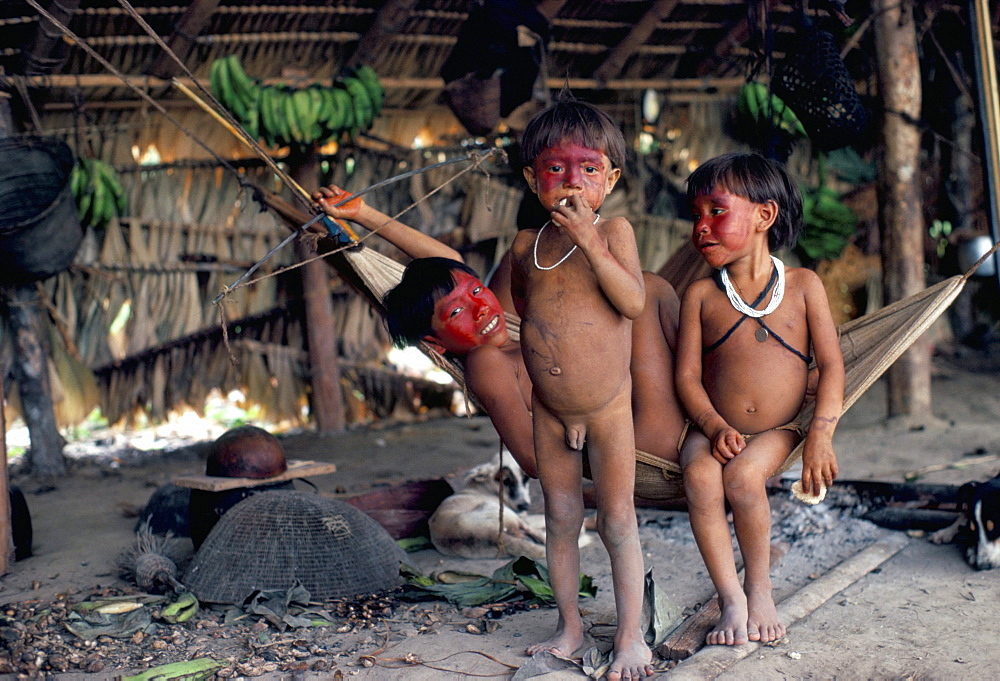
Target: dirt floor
x=861 y=600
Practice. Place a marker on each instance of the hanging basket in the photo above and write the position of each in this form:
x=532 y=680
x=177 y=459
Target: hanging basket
x=475 y=102
x=813 y=80
x=39 y=229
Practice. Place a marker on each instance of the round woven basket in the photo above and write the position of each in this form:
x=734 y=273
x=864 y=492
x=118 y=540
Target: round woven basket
x=39 y=229
x=271 y=540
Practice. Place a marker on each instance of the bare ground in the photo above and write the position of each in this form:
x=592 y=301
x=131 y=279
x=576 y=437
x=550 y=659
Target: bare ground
x=922 y=613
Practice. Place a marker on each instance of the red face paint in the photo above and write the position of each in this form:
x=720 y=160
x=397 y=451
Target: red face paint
x=569 y=168
x=723 y=226
x=469 y=316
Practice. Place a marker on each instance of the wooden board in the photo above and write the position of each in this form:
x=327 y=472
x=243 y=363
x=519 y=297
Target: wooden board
x=689 y=637
x=296 y=469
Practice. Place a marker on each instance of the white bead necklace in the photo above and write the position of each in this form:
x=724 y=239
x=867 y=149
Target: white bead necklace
x=562 y=259
x=776 y=295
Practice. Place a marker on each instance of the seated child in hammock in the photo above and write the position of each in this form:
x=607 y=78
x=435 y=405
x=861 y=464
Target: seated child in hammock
x=577 y=285
x=742 y=372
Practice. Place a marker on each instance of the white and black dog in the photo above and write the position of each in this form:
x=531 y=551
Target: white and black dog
x=977 y=530
x=466 y=523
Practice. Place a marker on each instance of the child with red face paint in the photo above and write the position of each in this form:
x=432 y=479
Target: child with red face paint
x=577 y=285
x=742 y=369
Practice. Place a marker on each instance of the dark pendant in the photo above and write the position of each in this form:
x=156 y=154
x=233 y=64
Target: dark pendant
x=760 y=334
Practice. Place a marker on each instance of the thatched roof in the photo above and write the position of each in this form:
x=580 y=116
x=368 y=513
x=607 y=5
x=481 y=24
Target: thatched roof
x=608 y=51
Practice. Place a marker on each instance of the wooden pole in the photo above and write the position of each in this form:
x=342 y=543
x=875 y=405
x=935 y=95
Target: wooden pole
x=388 y=23
x=31 y=370
x=637 y=37
x=989 y=112
x=389 y=82
x=901 y=219
x=327 y=405
x=6 y=536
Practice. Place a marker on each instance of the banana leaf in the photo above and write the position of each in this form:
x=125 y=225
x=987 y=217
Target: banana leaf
x=521 y=578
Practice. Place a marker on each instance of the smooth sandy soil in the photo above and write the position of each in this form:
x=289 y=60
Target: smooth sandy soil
x=923 y=613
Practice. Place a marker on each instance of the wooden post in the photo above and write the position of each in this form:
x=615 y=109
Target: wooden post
x=900 y=207
x=31 y=370
x=6 y=535
x=327 y=405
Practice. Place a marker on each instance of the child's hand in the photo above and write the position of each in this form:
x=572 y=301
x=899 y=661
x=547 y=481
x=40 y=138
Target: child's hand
x=327 y=197
x=575 y=218
x=727 y=442
x=819 y=464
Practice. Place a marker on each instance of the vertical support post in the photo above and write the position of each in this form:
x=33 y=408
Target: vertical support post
x=6 y=535
x=989 y=112
x=31 y=370
x=327 y=404
x=901 y=218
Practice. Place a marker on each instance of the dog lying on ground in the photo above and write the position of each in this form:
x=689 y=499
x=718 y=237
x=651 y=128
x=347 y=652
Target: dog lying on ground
x=977 y=530
x=466 y=523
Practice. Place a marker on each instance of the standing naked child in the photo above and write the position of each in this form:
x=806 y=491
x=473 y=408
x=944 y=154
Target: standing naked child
x=576 y=284
x=743 y=367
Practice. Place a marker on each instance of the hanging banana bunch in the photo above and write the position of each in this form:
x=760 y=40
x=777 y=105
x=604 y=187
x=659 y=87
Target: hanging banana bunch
x=757 y=102
x=98 y=192
x=237 y=91
x=287 y=116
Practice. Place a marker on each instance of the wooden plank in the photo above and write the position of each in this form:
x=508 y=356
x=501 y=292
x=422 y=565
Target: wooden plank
x=689 y=638
x=711 y=661
x=296 y=469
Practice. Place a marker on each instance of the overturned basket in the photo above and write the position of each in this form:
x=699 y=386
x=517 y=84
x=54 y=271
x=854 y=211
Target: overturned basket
x=271 y=540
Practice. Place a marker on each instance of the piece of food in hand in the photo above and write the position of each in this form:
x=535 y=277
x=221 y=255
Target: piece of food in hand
x=807 y=497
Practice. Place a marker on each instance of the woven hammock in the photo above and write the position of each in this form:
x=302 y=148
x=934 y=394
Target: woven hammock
x=870 y=344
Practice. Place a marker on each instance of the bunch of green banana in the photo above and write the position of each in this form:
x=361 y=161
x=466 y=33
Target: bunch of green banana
x=829 y=223
x=317 y=113
x=237 y=91
x=97 y=191
x=757 y=102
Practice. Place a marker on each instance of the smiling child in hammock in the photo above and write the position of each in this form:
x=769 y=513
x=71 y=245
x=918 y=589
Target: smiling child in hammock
x=742 y=373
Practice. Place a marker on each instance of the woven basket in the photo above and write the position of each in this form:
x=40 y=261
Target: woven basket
x=813 y=80
x=475 y=102
x=39 y=229
x=273 y=539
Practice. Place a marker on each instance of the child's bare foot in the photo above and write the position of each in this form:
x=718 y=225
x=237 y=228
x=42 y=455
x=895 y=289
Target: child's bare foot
x=732 y=627
x=762 y=623
x=563 y=643
x=632 y=661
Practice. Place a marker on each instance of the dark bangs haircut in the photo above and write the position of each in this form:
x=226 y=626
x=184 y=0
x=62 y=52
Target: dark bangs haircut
x=576 y=121
x=757 y=179
x=409 y=306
